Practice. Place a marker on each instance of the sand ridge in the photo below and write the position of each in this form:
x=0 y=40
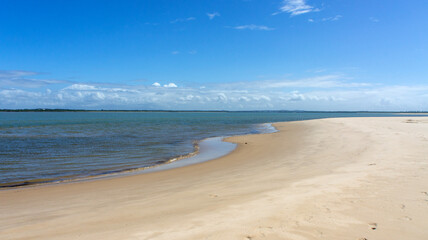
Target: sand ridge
x=344 y=178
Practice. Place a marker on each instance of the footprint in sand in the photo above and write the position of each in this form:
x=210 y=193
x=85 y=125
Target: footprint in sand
x=213 y=195
x=373 y=226
x=407 y=218
x=426 y=194
x=402 y=206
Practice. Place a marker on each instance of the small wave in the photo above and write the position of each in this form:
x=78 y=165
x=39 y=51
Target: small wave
x=266 y=128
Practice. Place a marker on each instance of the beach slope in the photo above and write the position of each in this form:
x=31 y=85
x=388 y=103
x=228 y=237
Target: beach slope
x=344 y=178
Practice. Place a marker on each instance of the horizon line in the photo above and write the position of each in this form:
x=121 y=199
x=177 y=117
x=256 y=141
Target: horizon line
x=141 y=110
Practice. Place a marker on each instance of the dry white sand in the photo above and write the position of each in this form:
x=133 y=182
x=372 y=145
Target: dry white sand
x=355 y=178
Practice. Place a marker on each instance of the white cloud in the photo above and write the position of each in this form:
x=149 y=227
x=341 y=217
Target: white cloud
x=326 y=19
x=296 y=7
x=183 y=20
x=131 y=97
x=175 y=52
x=262 y=98
x=83 y=87
x=325 y=92
x=211 y=16
x=335 y=18
x=254 y=27
x=325 y=81
x=100 y=95
x=19 y=78
x=244 y=98
x=221 y=97
x=170 y=85
x=294 y=96
x=16 y=73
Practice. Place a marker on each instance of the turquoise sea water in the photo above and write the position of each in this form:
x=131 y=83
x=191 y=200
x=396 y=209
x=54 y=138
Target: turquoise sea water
x=50 y=146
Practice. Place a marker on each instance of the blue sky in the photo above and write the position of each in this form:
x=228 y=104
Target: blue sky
x=214 y=55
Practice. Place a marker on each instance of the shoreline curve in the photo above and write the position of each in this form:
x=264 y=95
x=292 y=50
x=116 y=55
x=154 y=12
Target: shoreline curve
x=175 y=162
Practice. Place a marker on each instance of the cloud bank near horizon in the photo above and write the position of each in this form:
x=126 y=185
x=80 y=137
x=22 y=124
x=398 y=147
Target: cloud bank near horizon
x=323 y=93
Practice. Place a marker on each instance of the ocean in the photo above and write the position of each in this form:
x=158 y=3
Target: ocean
x=39 y=147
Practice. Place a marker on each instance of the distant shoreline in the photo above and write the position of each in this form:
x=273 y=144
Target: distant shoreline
x=289 y=111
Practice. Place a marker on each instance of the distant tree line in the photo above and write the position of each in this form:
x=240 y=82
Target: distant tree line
x=102 y=110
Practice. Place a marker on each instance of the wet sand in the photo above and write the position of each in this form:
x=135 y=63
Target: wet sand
x=345 y=178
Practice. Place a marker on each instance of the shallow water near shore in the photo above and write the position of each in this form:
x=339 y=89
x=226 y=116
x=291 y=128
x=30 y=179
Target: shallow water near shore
x=38 y=147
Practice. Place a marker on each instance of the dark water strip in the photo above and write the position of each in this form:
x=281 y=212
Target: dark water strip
x=205 y=150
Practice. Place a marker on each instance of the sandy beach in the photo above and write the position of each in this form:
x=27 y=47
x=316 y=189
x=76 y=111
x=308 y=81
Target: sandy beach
x=344 y=178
